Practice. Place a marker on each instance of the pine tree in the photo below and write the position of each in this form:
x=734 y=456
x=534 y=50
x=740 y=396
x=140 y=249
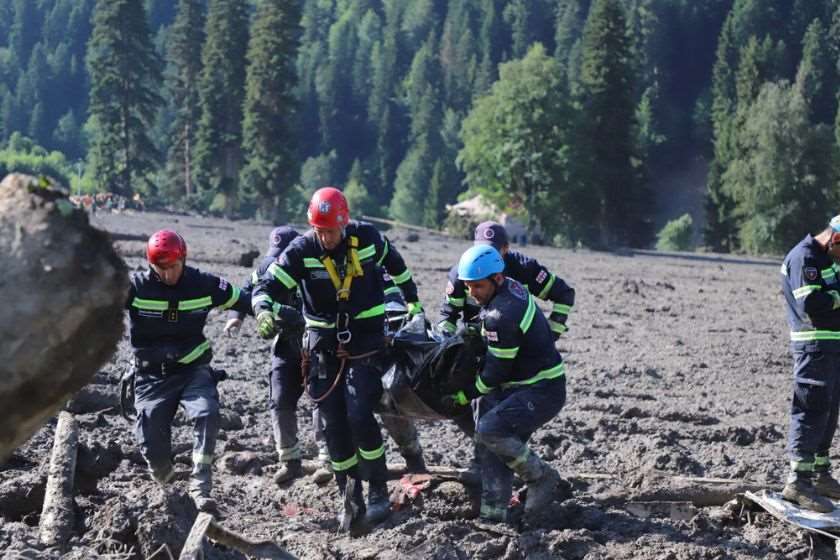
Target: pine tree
x=124 y=72
x=607 y=86
x=183 y=55
x=271 y=166
x=816 y=79
x=221 y=88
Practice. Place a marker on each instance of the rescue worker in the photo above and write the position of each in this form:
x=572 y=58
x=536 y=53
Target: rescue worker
x=285 y=382
x=336 y=267
x=168 y=306
x=521 y=386
x=527 y=271
x=811 y=288
x=286 y=388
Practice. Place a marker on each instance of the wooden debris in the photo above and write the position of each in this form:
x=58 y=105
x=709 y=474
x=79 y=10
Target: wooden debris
x=206 y=526
x=57 y=516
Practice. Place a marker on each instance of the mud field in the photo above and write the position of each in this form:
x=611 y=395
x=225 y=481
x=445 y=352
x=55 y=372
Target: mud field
x=677 y=367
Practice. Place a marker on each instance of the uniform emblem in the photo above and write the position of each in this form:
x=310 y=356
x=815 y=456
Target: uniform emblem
x=489 y=233
x=223 y=284
x=541 y=276
x=517 y=290
x=810 y=273
x=324 y=207
x=492 y=336
x=450 y=288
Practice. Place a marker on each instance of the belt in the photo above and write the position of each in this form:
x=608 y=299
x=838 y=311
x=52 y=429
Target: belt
x=160 y=368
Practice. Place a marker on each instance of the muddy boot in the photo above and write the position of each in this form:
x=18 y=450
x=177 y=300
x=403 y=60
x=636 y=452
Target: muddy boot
x=825 y=484
x=352 y=503
x=800 y=490
x=378 y=504
x=324 y=473
x=163 y=476
x=289 y=470
x=542 y=481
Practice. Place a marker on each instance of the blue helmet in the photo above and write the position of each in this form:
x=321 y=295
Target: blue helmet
x=480 y=262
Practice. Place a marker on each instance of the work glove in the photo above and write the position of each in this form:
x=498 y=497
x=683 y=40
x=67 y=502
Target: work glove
x=415 y=308
x=265 y=324
x=455 y=400
x=835 y=295
x=445 y=329
x=232 y=326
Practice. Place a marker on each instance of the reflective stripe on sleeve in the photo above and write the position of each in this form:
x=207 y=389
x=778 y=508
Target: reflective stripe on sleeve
x=544 y=292
x=402 y=278
x=277 y=271
x=800 y=293
x=233 y=298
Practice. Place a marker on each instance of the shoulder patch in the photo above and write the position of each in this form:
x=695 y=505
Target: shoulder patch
x=450 y=288
x=491 y=336
x=223 y=285
x=542 y=276
x=810 y=273
x=518 y=291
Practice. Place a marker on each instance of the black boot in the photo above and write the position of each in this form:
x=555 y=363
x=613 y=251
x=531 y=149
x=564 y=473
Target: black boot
x=289 y=470
x=378 y=504
x=800 y=490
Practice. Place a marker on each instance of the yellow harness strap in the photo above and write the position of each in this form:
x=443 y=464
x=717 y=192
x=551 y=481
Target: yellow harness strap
x=354 y=268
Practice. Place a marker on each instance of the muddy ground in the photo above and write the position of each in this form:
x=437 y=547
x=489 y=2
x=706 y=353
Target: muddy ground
x=677 y=365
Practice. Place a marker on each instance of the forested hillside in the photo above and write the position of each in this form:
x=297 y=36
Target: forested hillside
x=566 y=111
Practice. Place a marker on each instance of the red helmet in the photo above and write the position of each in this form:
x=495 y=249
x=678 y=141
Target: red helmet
x=165 y=247
x=328 y=209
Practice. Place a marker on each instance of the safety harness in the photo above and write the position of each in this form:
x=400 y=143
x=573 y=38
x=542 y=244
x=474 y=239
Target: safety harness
x=342 y=284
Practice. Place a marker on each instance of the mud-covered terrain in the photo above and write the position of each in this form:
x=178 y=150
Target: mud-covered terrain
x=677 y=366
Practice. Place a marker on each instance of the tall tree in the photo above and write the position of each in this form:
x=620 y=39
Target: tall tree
x=221 y=89
x=606 y=89
x=124 y=73
x=817 y=78
x=183 y=55
x=271 y=164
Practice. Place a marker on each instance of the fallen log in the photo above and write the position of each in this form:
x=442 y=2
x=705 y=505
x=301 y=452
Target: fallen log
x=206 y=526
x=700 y=492
x=57 y=516
x=58 y=332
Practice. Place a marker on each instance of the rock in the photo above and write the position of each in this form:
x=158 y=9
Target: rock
x=57 y=333
x=241 y=462
x=230 y=421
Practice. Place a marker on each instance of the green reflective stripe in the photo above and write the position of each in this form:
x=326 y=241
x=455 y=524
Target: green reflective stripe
x=310 y=262
x=233 y=298
x=261 y=298
x=562 y=309
x=384 y=252
x=346 y=464
x=526 y=321
x=192 y=304
x=150 y=304
x=202 y=459
x=392 y=290
x=372 y=312
x=402 y=278
x=318 y=324
x=277 y=271
x=456 y=301
x=551 y=373
x=802 y=466
x=804 y=336
x=520 y=459
x=289 y=453
x=558 y=327
x=366 y=252
x=821 y=461
x=372 y=455
x=197 y=351
x=504 y=353
x=828 y=273
x=547 y=288
x=800 y=293
x=448 y=327
x=482 y=388
x=255 y=277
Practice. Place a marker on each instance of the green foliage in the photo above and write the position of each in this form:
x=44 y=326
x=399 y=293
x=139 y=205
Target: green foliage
x=124 y=71
x=677 y=235
x=517 y=141
x=22 y=155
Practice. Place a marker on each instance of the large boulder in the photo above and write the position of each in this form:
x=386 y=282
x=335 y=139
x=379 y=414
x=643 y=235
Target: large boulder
x=62 y=289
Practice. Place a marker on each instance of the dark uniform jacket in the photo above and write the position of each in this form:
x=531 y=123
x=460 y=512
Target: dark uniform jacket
x=302 y=266
x=808 y=275
x=167 y=322
x=520 y=345
x=527 y=271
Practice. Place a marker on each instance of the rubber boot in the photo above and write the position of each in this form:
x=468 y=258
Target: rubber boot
x=825 y=484
x=800 y=490
x=542 y=481
x=199 y=489
x=352 y=503
x=289 y=470
x=378 y=503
